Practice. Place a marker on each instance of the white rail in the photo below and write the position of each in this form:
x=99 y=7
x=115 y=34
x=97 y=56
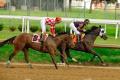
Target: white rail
x=26 y=19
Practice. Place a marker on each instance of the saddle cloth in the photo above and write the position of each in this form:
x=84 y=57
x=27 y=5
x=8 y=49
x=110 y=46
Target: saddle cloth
x=75 y=38
x=36 y=38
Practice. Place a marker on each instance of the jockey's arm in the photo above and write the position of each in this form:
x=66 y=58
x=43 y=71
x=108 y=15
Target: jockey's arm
x=81 y=26
x=82 y=30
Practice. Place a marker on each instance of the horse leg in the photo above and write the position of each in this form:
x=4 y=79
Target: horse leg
x=96 y=55
x=52 y=51
x=88 y=49
x=26 y=57
x=54 y=61
x=69 y=56
x=11 y=56
x=92 y=58
x=63 y=58
x=62 y=53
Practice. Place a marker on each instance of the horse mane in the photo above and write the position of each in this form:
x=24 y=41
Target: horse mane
x=90 y=30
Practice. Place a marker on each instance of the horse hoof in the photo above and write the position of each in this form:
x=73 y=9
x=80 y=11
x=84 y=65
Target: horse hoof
x=61 y=64
x=104 y=64
x=30 y=66
x=56 y=68
x=7 y=64
x=79 y=63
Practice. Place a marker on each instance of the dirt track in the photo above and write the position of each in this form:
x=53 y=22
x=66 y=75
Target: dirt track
x=22 y=72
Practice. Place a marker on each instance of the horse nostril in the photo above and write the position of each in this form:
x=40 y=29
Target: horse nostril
x=104 y=37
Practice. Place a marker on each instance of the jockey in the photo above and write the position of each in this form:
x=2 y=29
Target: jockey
x=51 y=22
x=78 y=27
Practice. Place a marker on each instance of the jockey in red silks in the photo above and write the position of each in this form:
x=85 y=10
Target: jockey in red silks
x=51 y=22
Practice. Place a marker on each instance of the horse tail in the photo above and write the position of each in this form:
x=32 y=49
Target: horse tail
x=7 y=41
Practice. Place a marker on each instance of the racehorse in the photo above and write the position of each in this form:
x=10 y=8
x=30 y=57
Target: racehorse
x=88 y=41
x=23 y=42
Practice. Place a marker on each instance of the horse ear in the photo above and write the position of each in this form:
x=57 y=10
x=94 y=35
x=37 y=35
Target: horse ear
x=100 y=26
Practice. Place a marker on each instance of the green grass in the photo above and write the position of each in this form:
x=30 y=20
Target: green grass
x=110 y=40
x=108 y=55
x=5 y=34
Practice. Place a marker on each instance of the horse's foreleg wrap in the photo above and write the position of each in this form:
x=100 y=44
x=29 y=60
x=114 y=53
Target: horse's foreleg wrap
x=8 y=63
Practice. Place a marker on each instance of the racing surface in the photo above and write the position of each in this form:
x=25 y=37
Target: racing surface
x=48 y=72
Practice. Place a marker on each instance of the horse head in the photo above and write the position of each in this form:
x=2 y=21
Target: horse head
x=98 y=31
x=102 y=33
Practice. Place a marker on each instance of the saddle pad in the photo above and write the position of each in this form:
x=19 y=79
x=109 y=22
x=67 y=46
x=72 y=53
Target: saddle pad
x=74 y=38
x=36 y=38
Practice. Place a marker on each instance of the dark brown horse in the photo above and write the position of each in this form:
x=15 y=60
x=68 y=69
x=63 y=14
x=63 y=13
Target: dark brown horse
x=87 y=44
x=24 y=41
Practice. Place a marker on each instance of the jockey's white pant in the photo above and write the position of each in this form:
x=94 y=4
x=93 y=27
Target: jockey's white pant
x=73 y=28
x=43 y=25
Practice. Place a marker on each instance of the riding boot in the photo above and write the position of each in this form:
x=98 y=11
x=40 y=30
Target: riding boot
x=82 y=37
x=41 y=40
x=78 y=37
x=41 y=37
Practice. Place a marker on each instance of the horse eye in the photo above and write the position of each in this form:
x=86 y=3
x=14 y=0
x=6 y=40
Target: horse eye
x=102 y=31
